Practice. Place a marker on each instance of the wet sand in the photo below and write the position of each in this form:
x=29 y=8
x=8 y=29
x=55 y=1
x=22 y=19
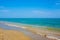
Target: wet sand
x=34 y=33
x=45 y=33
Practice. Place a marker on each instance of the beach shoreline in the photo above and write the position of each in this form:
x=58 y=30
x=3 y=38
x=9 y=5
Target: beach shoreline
x=41 y=32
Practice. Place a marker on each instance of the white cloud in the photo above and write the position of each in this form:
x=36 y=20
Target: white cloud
x=41 y=12
x=37 y=11
x=4 y=11
x=45 y=13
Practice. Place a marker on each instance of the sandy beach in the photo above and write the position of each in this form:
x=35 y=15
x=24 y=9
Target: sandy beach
x=44 y=34
x=12 y=35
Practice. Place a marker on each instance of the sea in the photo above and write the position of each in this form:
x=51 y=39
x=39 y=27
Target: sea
x=45 y=22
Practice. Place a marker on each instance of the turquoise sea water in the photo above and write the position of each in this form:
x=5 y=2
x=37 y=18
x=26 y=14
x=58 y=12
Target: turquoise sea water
x=50 y=22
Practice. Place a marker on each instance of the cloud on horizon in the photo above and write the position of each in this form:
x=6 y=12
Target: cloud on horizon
x=41 y=12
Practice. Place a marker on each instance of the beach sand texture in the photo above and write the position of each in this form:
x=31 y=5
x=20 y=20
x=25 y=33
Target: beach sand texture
x=18 y=35
x=12 y=35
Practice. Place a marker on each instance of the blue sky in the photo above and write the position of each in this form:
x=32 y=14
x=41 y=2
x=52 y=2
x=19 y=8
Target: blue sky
x=29 y=8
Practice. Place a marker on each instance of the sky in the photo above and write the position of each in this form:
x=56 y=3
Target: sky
x=29 y=8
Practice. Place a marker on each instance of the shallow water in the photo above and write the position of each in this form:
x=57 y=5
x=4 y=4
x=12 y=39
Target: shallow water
x=50 y=22
x=26 y=32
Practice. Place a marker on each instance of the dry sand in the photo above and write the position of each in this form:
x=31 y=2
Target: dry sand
x=44 y=33
x=12 y=35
